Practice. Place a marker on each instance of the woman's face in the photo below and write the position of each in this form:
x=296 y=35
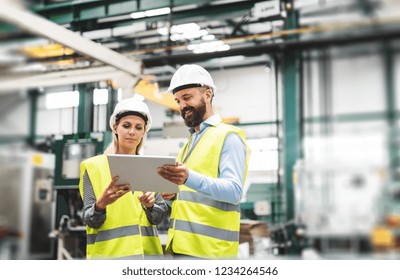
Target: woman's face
x=130 y=131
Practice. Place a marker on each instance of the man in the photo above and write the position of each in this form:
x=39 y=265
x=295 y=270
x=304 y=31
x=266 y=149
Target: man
x=211 y=169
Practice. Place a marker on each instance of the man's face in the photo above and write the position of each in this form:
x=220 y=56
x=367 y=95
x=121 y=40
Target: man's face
x=192 y=106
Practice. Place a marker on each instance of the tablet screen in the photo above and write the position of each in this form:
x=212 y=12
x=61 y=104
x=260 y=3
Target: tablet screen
x=141 y=172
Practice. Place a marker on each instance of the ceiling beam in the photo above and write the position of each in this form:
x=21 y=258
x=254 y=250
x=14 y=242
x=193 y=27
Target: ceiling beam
x=60 y=78
x=147 y=86
x=35 y=24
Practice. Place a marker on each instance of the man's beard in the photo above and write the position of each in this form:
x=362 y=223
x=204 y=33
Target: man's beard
x=197 y=115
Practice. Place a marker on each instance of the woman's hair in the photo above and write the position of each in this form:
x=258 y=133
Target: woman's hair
x=112 y=148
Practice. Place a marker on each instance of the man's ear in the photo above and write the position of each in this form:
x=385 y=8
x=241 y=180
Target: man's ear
x=209 y=94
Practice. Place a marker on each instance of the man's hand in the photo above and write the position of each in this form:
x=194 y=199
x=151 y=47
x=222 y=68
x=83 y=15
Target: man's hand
x=177 y=174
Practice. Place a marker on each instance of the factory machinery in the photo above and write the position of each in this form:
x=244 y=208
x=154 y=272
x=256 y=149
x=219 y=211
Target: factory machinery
x=69 y=229
x=347 y=197
x=27 y=204
x=40 y=207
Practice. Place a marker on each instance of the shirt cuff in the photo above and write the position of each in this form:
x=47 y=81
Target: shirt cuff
x=193 y=178
x=150 y=209
x=95 y=210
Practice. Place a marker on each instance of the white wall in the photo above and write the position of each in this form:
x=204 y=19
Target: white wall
x=358 y=84
x=246 y=93
x=158 y=114
x=14 y=114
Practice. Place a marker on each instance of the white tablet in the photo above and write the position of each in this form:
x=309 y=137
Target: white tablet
x=141 y=172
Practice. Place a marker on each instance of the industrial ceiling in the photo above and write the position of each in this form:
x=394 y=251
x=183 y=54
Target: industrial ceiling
x=166 y=33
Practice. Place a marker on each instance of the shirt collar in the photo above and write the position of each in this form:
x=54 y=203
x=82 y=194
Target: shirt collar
x=213 y=120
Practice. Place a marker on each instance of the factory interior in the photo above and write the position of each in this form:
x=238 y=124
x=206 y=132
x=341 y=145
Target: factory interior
x=315 y=85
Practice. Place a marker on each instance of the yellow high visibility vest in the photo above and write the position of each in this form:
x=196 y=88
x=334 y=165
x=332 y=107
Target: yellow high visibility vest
x=200 y=226
x=126 y=232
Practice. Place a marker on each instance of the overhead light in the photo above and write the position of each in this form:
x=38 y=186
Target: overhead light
x=111 y=19
x=195 y=34
x=158 y=12
x=189 y=35
x=182 y=32
x=208 y=37
x=151 y=13
x=163 y=31
x=179 y=29
x=224 y=47
x=198 y=50
x=186 y=27
x=212 y=46
x=228 y=59
x=138 y=15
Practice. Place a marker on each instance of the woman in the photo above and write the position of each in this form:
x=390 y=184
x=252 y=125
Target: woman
x=120 y=223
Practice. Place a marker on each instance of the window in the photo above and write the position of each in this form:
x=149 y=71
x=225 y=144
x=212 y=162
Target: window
x=59 y=100
x=264 y=154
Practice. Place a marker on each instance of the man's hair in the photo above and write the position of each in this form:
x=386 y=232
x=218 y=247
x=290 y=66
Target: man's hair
x=204 y=88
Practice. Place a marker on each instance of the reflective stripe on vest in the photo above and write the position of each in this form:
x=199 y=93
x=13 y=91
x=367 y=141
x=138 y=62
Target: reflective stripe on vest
x=198 y=198
x=206 y=230
x=148 y=231
x=112 y=233
x=150 y=240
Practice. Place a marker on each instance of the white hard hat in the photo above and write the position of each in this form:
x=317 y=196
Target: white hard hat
x=131 y=106
x=190 y=75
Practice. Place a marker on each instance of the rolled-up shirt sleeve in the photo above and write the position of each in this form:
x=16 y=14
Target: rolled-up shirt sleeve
x=90 y=216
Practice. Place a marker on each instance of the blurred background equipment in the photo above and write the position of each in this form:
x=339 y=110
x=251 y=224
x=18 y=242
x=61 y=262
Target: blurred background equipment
x=27 y=204
x=69 y=229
